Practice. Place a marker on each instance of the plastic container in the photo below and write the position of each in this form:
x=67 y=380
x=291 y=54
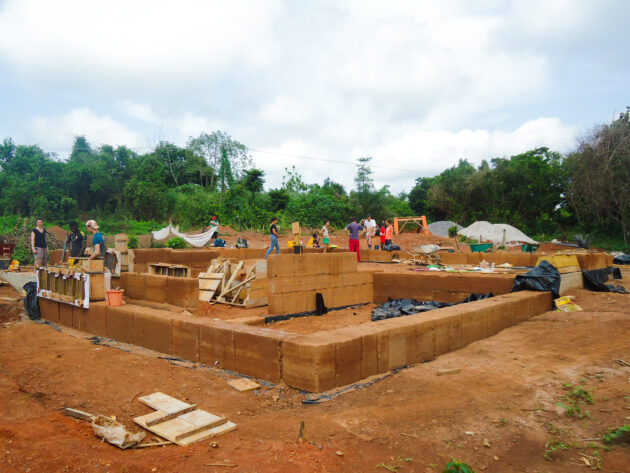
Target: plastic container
x=529 y=248
x=114 y=298
x=480 y=247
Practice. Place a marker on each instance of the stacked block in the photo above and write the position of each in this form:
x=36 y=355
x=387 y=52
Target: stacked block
x=315 y=362
x=295 y=279
x=182 y=292
x=440 y=287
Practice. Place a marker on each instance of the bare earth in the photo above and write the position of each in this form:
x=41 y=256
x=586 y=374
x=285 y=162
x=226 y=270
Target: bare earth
x=496 y=414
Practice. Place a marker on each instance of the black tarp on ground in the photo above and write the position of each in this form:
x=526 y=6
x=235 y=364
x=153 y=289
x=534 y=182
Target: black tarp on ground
x=30 y=301
x=544 y=278
x=401 y=307
x=392 y=247
x=596 y=280
x=621 y=259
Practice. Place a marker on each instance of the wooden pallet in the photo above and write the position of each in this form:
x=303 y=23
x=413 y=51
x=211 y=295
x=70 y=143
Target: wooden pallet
x=226 y=282
x=180 y=422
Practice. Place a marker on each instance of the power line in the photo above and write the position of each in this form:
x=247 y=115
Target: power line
x=278 y=153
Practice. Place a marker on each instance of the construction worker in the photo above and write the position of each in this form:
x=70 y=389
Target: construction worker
x=98 y=242
x=354 y=231
x=38 y=243
x=99 y=248
x=273 y=230
x=76 y=241
x=324 y=232
x=214 y=225
x=370 y=230
x=388 y=233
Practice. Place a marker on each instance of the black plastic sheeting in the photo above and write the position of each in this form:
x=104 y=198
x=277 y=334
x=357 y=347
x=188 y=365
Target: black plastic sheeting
x=392 y=247
x=596 y=280
x=279 y=318
x=402 y=307
x=30 y=301
x=544 y=277
x=621 y=259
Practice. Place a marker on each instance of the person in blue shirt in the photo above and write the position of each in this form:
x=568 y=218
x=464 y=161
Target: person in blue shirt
x=98 y=242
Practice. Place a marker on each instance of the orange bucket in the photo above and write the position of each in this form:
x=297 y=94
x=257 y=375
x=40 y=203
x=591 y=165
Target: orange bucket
x=114 y=298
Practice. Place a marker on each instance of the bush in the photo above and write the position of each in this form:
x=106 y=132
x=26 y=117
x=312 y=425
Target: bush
x=24 y=255
x=132 y=243
x=452 y=231
x=176 y=243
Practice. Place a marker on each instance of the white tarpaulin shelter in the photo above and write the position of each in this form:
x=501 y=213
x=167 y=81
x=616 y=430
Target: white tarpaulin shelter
x=198 y=239
x=494 y=233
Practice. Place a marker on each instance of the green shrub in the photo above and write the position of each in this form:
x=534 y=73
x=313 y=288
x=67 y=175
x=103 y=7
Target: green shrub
x=455 y=466
x=618 y=435
x=176 y=243
x=132 y=242
x=452 y=231
x=24 y=255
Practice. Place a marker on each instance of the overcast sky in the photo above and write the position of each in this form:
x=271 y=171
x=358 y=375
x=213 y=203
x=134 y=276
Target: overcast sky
x=415 y=84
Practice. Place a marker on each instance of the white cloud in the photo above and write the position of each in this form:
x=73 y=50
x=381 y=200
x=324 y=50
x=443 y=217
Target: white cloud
x=140 y=111
x=144 y=42
x=285 y=111
x=416 y=84
x=58 y=132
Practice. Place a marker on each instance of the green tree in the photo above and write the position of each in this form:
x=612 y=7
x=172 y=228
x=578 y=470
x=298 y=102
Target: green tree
x=225 y=178
x=253 y=180
x=214 y=146
x=599 y=176
x=292 y=181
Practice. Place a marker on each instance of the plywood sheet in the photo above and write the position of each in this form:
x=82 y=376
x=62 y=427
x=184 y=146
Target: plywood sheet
x=163 y=402
x=243 y=384
x=189 y=428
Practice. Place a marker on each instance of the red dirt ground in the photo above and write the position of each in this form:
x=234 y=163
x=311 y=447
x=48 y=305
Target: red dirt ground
x=496 y=414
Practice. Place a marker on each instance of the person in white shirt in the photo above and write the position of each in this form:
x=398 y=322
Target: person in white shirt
x=370 y=230
x=325 y=235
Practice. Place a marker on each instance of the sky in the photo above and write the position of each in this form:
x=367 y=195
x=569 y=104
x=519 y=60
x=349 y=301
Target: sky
x=416 y=85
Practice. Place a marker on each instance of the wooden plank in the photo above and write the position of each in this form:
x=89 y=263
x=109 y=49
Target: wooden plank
x=209 y=284
x=163 y=402
x=247 y=279
x=232 y=278
x=157 y=417
x=206 y=434
x=77 y=414
x=206 y=296
x=189 y=428
x=243 y=384
x=200 y=420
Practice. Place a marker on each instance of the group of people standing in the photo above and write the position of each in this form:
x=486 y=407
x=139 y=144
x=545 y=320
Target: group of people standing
x=370 y=230
x=75 y=243
x=354 y=230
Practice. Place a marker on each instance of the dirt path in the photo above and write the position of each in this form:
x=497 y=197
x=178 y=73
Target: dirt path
x=412 y=421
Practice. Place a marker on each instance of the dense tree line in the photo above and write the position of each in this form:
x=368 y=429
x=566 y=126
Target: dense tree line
x=540 y=191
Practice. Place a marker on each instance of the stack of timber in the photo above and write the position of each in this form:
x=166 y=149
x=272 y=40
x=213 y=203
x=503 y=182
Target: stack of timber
x=235 y=283
x=294 y=281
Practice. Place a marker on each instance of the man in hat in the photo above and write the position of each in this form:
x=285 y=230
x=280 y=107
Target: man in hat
x=98 y=242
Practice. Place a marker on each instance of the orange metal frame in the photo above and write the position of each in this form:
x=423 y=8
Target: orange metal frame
x=422 y=221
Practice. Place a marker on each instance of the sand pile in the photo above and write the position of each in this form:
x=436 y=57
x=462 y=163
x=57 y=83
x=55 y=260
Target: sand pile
x=494 y=233
x=441 y=228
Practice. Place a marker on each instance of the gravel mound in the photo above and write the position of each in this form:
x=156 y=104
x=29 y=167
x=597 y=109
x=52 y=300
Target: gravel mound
x=441 y=228
x=494 y=233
